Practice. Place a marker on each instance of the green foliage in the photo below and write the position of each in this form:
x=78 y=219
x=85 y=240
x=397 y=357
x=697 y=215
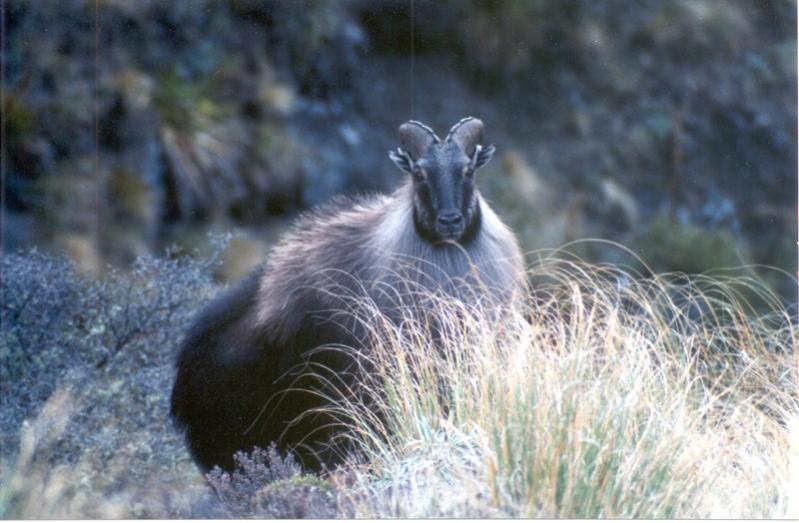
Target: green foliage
x=669 y=245
x=18 y=118
x=187 y=104
x=129 y=193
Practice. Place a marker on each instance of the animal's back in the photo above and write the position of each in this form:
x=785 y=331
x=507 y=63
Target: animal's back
x=241 y=379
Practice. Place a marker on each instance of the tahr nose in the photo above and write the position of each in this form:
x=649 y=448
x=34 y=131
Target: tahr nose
x=450 y=218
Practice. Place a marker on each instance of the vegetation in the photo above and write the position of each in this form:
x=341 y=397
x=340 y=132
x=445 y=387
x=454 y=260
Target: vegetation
x=85 y=366
x=186 y=105
x=612 y=395
x=668 y=126
x=621 y=398
x=211 y=115
x=672 y=245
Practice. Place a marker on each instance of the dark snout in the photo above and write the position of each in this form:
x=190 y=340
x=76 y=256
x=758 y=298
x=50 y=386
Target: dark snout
x=450 y=224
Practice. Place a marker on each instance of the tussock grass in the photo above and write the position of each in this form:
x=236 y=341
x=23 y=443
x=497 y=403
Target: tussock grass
x=610 y=395
x=607 y=394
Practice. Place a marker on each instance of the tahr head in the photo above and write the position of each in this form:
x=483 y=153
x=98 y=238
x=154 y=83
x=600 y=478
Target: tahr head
x=445 y=204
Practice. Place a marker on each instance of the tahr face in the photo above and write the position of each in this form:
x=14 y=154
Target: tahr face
x=445 y=197
x=445 y=202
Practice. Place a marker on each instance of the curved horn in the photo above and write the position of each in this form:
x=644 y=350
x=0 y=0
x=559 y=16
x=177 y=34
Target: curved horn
x=467 y=133
x=416 y=138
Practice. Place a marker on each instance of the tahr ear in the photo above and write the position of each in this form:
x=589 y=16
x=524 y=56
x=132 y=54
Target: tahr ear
x=467 y=133
x=416 y=138
x=402 y=159
x=482 y=156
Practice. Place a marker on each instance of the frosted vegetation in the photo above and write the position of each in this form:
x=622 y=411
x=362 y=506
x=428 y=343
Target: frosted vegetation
x=612 y=394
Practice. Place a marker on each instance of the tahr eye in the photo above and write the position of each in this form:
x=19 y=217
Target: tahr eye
x=468 y=171
x=419 y=174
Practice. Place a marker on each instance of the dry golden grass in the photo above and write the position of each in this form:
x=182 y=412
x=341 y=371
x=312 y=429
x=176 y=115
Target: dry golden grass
x=610 y=396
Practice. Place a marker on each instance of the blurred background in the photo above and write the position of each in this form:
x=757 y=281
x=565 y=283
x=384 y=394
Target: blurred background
x=666 y=125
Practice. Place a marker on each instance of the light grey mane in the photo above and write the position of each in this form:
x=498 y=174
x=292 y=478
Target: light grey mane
x=375 y=249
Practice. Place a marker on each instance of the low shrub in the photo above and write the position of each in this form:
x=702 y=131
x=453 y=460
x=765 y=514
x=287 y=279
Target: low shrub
x=268 y=485
x=610 y=394
x=57 y=321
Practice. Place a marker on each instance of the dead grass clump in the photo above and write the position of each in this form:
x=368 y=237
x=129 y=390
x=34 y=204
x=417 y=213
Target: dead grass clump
x=610 y=396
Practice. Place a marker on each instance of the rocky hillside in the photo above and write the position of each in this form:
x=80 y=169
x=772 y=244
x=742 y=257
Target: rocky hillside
x=668 y=126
